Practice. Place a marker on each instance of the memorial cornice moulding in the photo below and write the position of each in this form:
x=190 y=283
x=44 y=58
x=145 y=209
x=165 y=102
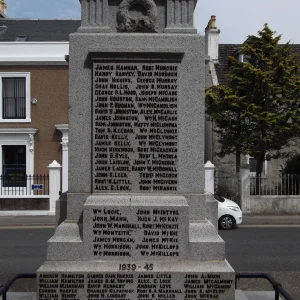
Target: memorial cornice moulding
x=153 y=55
x=137 y=16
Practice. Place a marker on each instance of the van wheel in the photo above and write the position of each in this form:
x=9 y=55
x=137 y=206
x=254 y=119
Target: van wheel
x=227 y=222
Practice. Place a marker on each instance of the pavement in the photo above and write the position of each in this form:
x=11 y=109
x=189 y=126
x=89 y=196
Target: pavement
x=248 y=220
x=271 y=220
x=27 y=221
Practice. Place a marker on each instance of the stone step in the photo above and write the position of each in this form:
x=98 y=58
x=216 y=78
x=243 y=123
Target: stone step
x=66 y=243
x=205 y=243
x=240 y=295
x=260 y=295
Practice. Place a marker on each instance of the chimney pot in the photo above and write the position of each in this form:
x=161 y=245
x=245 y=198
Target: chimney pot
x=211 y=23
x=212 y=39
x=3 y=6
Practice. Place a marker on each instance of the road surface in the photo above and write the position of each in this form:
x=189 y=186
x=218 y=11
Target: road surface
x=274 y=250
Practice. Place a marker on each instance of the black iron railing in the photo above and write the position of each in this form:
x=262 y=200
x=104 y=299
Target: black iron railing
x=14 y=175
x=281 y=185
x=5 y=287
x=279 y=291
x=14 y=184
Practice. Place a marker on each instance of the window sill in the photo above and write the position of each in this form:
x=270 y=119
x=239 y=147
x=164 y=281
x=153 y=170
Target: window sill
x=15 y=120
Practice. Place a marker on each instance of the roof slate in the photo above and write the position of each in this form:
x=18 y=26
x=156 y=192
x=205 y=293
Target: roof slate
x=38 y=30
x=222 y=68
x=226 y=50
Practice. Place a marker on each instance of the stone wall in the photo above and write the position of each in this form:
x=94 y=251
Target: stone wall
x=275 y=204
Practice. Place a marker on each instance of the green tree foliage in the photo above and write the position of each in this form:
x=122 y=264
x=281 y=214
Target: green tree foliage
x=258 y=112
x=292 y=165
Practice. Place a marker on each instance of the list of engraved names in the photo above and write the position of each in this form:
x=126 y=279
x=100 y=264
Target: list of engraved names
x=133 y=286
x=135 y=127
x=135 y=232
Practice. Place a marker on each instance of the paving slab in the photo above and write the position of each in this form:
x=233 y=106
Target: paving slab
x=253 y=295
x=271 y=219
x=18 y=221
x=240 y=295
x=20 y=296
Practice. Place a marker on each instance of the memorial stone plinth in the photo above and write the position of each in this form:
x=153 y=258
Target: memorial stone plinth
x=138 y=224
x=135 y=227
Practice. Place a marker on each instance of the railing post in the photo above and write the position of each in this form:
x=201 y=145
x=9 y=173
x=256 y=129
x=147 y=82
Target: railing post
x=54 y=185
x=209 y=177
x=245 y=189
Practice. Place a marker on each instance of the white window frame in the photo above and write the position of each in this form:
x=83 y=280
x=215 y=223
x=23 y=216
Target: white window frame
x=18 y=136
x=264 y=170
x=27 y=78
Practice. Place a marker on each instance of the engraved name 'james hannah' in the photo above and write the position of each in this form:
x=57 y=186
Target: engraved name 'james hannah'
x=134 y=114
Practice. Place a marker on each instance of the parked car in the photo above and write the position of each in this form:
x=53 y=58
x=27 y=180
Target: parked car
x=229 y=213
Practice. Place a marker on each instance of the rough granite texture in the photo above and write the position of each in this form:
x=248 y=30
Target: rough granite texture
x=215 y=276
x=205 y=243
x=212 y=210
x=201 y=251
x=197 y=206
x=190 y=102
x=75 y=204
x=179 y=20
x=61 y=208
x=125 y=209
x=66 y=243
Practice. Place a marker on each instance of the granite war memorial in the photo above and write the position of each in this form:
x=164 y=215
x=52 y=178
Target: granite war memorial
x=138 y=223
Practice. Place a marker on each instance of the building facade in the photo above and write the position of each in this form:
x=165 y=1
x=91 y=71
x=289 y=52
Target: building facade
x=33 y=106
x=217 y=68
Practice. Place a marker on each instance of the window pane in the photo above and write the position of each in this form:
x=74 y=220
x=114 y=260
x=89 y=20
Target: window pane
x=252 y=163
x=14 y=98
x=14 y=166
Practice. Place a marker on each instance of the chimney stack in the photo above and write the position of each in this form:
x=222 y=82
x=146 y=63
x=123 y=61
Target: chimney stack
x=3 y=7
x=212 y=39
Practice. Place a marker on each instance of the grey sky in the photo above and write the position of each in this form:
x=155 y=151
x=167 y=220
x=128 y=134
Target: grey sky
x=239 y=18
x=235 y=18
